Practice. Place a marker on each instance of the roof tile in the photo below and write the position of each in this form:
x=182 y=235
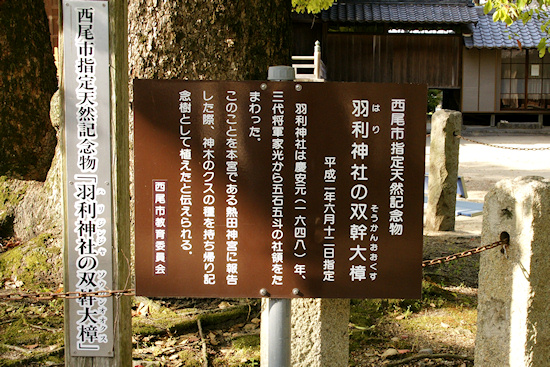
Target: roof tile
x=489 y=34
x=486 y=33
x=402 y=12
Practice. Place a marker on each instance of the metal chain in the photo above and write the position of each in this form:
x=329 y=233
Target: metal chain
x=463 y=254
x=498 y=146
x=47 y=296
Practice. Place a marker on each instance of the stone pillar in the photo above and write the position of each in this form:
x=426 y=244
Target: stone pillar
x=320 y=335
x=513 y=326
x=443 y=171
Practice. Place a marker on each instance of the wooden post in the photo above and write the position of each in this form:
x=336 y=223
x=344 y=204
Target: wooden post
x=119 y=185
x=317 y=60
x=118 y=40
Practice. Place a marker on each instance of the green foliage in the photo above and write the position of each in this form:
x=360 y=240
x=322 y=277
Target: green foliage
x=311 y=6
x=189 y=359
x=32 y=263
x=164 y=321
x=522 y=10
x=434 y=99
x=36 y=327
x=367 y=313
x=251 y=363
x=247 y=342
x=375 y=323
x=10 y=195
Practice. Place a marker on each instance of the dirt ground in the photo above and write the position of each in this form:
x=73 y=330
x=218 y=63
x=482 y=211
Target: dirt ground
x=482 y=166
x=449 y=329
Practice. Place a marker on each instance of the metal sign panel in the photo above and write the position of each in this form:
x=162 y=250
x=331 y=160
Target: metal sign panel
x=280 y=189
x=88 y=160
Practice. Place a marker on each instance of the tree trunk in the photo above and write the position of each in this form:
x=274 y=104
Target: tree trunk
x=27 y=82
x=215 y=39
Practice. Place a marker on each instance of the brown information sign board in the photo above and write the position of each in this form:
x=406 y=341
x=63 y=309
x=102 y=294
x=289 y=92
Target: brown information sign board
x=284 y=189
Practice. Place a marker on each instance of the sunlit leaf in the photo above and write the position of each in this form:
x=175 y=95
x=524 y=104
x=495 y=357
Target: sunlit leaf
x=488 y=7
x=497 y=15
x=508 y=20
x=311 y=6
x=542 y=47
x=509 y=11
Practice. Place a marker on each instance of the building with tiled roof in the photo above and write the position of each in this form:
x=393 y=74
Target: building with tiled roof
x=485 y=69
x=401 y=12
x=489 y=34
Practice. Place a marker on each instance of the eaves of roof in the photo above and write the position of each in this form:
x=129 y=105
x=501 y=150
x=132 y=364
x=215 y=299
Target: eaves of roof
x=485 y=33
x=401 y=12
x=489 y=34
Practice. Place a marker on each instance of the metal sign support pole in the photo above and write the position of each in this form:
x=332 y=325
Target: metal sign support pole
x=278 y=310
x=278 y=344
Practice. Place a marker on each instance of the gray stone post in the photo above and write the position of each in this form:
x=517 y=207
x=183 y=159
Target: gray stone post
x=513 y=327
x=443 y=171
x=320 y=335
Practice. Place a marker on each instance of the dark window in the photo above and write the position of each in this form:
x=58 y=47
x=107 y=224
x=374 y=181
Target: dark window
x=525 y=80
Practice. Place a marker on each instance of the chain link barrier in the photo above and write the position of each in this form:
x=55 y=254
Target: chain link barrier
x=463 y=254
x=494 y=145
x=48 y=296
x=499 y=146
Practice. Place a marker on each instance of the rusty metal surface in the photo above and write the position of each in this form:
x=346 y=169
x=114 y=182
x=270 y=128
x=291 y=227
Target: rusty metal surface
x=395 y=261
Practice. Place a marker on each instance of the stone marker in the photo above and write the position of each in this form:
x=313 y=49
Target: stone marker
x=513 y=326
x=443 y=171
x=320 y=335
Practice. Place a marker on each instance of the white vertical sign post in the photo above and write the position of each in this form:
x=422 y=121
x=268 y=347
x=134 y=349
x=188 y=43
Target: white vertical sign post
x=88 y=245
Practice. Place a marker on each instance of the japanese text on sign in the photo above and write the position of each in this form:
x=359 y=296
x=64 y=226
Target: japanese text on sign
x=87 y=133
x=280 y=189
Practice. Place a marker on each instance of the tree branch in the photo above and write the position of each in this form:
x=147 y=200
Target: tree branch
x=431 y=356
